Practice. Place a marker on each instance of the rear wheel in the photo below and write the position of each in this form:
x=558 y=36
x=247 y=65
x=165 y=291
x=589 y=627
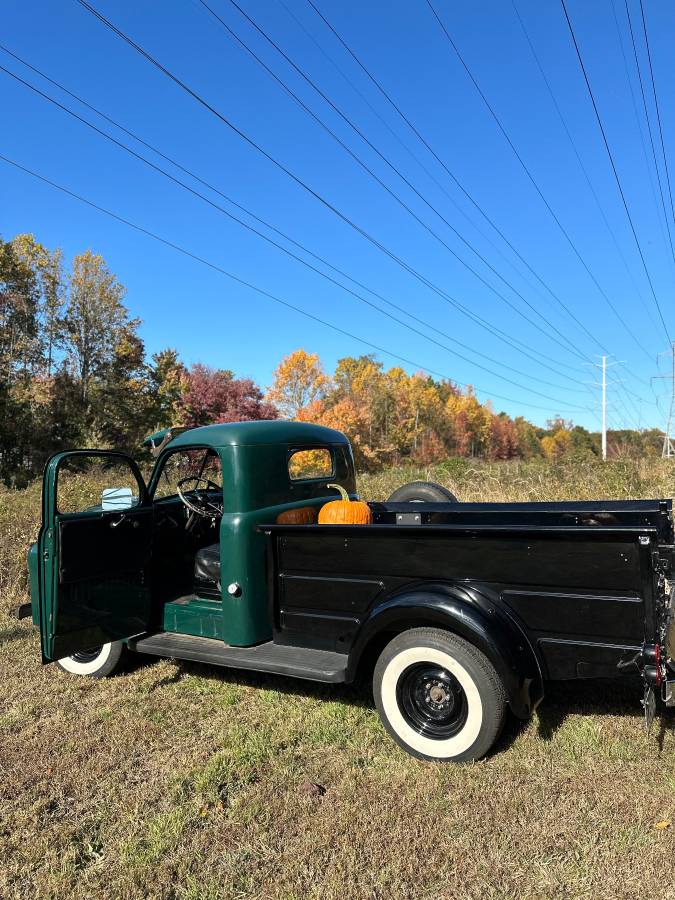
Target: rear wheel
x=422 y=492
x=97 y=662
x=438 y=696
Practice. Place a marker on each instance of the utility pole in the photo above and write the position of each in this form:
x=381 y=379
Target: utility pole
x=604 y=408
x=668 y=451
x=604 y=365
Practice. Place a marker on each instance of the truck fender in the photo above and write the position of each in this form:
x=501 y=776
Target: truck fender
x=470 y=614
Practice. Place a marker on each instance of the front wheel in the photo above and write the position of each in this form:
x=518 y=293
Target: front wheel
x=97 y=662
x=438 y=696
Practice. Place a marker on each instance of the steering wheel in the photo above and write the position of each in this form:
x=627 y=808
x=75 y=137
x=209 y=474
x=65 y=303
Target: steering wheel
x=197 y=499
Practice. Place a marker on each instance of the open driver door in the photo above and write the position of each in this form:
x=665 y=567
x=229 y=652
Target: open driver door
x=94 y=551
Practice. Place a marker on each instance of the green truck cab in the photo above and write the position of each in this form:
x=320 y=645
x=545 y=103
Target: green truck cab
x=458 y=611
x=107 y=574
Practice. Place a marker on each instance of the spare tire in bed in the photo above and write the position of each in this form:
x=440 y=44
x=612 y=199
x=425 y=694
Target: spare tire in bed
x=422 y=492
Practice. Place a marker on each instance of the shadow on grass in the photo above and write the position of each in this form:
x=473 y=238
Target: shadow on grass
x=13 y=634
x=357 y=694
x=589 y=697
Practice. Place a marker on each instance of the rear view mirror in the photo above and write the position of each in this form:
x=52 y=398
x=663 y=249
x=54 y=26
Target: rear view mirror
x=117 y=498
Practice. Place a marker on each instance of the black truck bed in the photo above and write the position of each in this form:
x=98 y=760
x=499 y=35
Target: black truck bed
x=577 y=578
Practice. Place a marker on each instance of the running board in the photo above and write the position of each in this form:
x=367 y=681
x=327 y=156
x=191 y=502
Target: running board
x=298 y=662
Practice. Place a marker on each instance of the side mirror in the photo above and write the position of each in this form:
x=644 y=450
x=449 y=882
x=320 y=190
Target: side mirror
x=117 y=498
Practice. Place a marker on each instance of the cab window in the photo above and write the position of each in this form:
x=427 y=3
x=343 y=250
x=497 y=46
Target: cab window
x=90 y=481
x=199 y=462
x=305 y=465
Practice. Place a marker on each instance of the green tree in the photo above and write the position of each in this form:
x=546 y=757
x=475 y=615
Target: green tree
x=167 y=376
x=46 y=267
x=19 y=325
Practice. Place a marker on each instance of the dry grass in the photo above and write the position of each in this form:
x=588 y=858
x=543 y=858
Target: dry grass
x=181 y=781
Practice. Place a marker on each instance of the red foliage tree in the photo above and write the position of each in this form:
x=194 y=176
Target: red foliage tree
x=215 y=395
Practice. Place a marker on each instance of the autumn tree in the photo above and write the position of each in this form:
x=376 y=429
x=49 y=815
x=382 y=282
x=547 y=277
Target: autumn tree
x=94 y=317
x=299 y=380
x=215 y=395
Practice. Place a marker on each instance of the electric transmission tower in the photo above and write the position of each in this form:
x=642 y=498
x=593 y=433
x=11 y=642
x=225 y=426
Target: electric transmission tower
x=669 y=436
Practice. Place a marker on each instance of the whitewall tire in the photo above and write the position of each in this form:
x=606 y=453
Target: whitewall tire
x=438 y=696
x=99 y=662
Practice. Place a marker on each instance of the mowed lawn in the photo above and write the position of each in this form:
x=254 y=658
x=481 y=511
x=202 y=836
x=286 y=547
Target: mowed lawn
x=176 y=780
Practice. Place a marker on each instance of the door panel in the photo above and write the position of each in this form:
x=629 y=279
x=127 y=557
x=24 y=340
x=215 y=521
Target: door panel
x=95 y=562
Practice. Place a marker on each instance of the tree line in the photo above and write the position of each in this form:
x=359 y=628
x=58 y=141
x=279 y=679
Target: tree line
x=74 y=372
x=391 y=416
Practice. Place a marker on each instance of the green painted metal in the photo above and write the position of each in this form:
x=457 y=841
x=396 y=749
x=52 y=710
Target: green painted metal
x=268 y=431
x=197 y=616
x=33 y=560
x=256 y=488
x=67 y=623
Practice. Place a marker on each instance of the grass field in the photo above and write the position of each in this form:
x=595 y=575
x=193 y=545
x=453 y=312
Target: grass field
x=181 y=781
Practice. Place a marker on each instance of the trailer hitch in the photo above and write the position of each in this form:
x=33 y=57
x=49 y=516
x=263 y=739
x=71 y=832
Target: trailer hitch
x=653 y=670
x=649 y=705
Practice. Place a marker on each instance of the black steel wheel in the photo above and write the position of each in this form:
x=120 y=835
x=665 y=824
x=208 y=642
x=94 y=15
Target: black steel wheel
x=432 y=700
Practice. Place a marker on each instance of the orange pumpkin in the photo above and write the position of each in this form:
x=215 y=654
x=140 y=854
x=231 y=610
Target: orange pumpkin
x=302 y=515
x=345 y=511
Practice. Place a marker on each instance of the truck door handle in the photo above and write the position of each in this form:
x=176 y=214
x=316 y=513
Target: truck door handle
x=115 y=522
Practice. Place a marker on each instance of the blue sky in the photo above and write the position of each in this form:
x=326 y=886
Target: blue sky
x=211 y=319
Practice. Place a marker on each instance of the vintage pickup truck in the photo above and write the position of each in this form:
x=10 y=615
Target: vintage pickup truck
x=458 y=611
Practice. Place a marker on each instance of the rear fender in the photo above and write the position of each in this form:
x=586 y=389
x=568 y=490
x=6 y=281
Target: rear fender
x=470 y=614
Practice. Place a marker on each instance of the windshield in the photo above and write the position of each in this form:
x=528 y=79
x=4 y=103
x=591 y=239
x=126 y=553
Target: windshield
x=198 y=462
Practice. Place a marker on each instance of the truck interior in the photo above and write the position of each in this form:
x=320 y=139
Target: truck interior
x=187 y=497
x=174 y=539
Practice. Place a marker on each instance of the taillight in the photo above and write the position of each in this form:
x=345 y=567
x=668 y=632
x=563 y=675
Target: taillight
x=657 y=663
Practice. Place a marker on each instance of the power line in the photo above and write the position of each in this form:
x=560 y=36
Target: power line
x=283 y=249
x=587 y=177
x=575 y=149
x=440 y=161
x=449 y=172
x=649 y=129
x=414 y=156
x=613 y=165
x=640 y=130
x=531 y=178
x=283 y=168
x=656 y=105
x=245 y=225
x=253 y=287
x=568 y=343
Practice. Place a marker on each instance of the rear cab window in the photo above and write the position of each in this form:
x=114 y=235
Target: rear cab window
x=311 y=464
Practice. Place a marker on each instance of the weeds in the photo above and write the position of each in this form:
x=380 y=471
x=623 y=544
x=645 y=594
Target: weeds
x=175 y=781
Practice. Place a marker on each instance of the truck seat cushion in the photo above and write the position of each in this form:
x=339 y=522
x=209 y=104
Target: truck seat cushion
x=207 y=565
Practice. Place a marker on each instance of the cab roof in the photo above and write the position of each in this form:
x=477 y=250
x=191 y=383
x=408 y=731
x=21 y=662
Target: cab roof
x=275 y=431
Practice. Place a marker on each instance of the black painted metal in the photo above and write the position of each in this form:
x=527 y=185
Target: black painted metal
x=300 y=662
x=546 y=590
x=432 y=701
